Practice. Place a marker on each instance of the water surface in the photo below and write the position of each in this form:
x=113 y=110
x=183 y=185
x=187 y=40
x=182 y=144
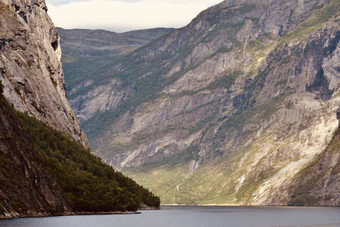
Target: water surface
x=196 y=217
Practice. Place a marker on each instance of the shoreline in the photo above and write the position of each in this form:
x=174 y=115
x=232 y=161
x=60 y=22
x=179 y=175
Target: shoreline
x=245 y=206
x=139 y=211
x=14 y=215
x=70 y=214
x=105 y=213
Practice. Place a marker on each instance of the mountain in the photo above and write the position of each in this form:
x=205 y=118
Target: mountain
x=40 y=61
x=238 y=107
x=46 y=166
x=85 y=51
x=84 y=42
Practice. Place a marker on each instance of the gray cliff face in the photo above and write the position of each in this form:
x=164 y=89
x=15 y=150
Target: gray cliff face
x=226 y=110
x=30 y=63
x=318 y=183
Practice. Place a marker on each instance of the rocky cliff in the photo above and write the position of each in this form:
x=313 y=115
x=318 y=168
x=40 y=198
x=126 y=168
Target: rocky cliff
x=319 y=182
x=46 y=167
x=30 y=64
x=230 y=109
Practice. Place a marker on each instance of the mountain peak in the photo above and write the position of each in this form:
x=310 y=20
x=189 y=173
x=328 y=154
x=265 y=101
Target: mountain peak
x=225 y=110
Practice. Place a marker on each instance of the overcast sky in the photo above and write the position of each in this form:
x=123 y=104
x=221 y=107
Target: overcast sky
x=125 y=15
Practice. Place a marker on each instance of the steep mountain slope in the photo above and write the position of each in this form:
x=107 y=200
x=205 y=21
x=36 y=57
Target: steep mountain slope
x=30 y=49
x=319 y=182
x=46 y=167
x=44 y=172
x=25 y=188
x=226 y=110
x=86 y=51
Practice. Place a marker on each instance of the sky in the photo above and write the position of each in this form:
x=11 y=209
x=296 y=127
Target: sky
x=125 y=15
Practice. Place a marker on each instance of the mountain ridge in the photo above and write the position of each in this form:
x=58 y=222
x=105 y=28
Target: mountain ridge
x=227 y=109
x=85 y=42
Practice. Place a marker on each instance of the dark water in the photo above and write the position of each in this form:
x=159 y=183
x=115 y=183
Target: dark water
x=196 y=217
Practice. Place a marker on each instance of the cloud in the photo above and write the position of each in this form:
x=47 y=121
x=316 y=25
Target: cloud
x=63 y=2
x=124 y=15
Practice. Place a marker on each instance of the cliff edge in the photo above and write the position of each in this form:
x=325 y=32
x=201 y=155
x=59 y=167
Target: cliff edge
x=30 y=66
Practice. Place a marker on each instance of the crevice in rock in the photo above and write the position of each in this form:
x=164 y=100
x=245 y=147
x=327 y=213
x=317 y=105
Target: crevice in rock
x=320 y=86
x=2 y=43
x=41 y=6
x=332 y=45
x=16 y=7
x=55 y=44
x=23 y=15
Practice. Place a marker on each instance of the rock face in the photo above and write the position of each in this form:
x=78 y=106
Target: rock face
x=30 y=63
x=319 y=183
x=46 y=167
x=33 y=82
x=226 y=110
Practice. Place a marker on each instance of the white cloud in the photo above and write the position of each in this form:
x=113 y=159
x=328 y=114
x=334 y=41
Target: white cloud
x=124 y=15
x=63 y=2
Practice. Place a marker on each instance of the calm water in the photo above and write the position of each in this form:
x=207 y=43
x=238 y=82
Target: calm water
x=196 y=217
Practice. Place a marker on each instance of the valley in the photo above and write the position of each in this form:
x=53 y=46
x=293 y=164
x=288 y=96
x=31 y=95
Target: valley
x=233 y=108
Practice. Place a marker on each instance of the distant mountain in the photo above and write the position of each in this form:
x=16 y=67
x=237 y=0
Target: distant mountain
x=84 y=42
x=46 y=166
x=237 y=107
x=85 y=52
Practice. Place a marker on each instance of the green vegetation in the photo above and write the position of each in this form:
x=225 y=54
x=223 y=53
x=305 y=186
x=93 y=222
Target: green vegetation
x=174 y=182
x=225 y=81
x=310 y=25
x=144 y=77
x=88 y=183
x=257 y=46
x=217 y=183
